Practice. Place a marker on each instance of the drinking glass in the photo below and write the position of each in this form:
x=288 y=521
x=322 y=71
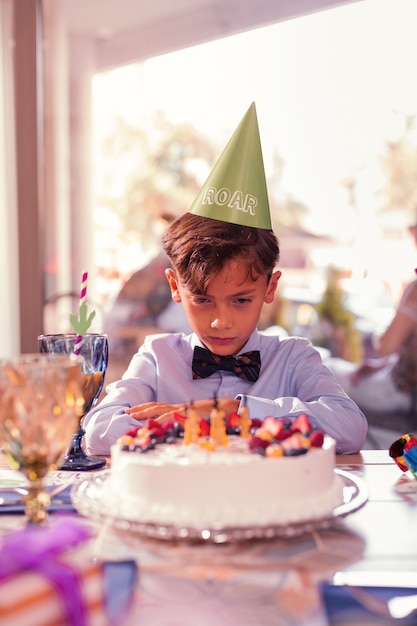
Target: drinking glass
x=40 y=405
x=94 y=358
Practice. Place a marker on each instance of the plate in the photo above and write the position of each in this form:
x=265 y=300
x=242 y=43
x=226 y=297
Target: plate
x=87 y=498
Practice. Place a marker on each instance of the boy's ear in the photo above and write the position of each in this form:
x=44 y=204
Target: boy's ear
x=173 y=283
x=272 y=287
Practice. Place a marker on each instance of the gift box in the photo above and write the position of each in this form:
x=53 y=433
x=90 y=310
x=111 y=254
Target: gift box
x=48 y=577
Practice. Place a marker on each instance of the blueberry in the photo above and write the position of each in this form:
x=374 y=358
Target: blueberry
x=295 y=452
x=260 y=451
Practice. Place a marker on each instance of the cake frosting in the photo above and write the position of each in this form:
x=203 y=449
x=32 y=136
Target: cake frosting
x=264 y=478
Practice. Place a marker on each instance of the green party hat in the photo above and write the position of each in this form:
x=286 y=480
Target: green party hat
x=235 y=190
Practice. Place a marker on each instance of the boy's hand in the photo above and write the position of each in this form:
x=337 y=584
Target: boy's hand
x=155 y=410
x=165 y=412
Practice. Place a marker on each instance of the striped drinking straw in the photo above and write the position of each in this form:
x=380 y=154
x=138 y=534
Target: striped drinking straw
x=83 y=300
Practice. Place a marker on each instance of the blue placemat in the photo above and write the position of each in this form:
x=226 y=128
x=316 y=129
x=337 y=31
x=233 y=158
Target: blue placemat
x=342 y=608
x=11 y=500
x=120 y=578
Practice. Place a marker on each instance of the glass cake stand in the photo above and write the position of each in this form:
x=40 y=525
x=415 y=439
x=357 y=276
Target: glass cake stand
x=89 y=498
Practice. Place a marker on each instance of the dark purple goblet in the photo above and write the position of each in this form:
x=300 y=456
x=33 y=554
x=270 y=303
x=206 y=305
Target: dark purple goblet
x=94 y=352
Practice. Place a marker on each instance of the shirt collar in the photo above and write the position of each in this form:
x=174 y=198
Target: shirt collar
x=253 y=343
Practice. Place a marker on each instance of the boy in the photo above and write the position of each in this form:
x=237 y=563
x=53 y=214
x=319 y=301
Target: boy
x=224 y=254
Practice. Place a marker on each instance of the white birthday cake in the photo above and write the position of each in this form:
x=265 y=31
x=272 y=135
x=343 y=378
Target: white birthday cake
x=191 y=474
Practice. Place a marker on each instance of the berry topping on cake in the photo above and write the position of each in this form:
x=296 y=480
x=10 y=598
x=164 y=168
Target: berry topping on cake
x=301 y=423
x=271 y=437
x=233 y=421
x=204 y=427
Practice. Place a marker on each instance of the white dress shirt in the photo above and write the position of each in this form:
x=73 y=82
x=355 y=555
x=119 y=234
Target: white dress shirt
x=292 y=380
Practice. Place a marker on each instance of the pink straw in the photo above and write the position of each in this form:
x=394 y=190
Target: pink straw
x=83 y=299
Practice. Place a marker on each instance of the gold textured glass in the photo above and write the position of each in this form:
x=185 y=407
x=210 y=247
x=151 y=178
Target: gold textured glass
x=40 y=405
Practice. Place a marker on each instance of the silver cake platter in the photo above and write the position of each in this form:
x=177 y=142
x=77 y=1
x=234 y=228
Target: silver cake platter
x=88 y=498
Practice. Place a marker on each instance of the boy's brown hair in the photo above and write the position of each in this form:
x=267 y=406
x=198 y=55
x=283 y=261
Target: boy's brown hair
x=198 y=248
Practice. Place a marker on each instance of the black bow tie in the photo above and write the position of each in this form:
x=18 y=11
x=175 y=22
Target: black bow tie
x=246 y=366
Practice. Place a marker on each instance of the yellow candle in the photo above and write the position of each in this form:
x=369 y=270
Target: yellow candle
x=218 y=434
x=191 y=427
x=245 y=422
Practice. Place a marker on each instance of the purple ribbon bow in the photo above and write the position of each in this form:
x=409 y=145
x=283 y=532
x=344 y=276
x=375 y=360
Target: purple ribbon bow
x=36 y=548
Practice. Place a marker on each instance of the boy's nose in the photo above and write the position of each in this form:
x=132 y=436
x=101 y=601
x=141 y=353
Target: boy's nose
x=222 y=319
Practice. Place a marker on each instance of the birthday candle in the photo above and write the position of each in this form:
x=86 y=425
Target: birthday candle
x=218 y=436
x=245 y=421
x=191 y=427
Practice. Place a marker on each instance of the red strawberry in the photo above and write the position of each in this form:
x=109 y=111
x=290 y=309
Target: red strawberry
x=204 y=427
x=273 y=426
x=295 y=442
x=180 y=418
x=168 y=426
x=233 y=420
x=155 y=428
x=255 y=423
x=301 y=423
x=316 y=438
x=256 y=443
x=133 y=431
x=284 y=434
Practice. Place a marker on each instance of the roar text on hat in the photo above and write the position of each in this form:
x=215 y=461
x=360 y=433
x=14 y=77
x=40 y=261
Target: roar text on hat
x=233 y=200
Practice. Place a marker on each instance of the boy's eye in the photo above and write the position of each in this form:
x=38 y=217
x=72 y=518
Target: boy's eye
x=199 y=300
x=243 y=300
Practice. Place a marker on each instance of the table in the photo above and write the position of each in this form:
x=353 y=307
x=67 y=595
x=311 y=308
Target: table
x=272 y=583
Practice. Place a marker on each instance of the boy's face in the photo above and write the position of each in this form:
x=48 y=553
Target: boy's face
x=225 y=316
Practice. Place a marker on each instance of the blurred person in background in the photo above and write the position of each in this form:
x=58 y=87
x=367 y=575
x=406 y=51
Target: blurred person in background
x=387 y=381
x=144 y=305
